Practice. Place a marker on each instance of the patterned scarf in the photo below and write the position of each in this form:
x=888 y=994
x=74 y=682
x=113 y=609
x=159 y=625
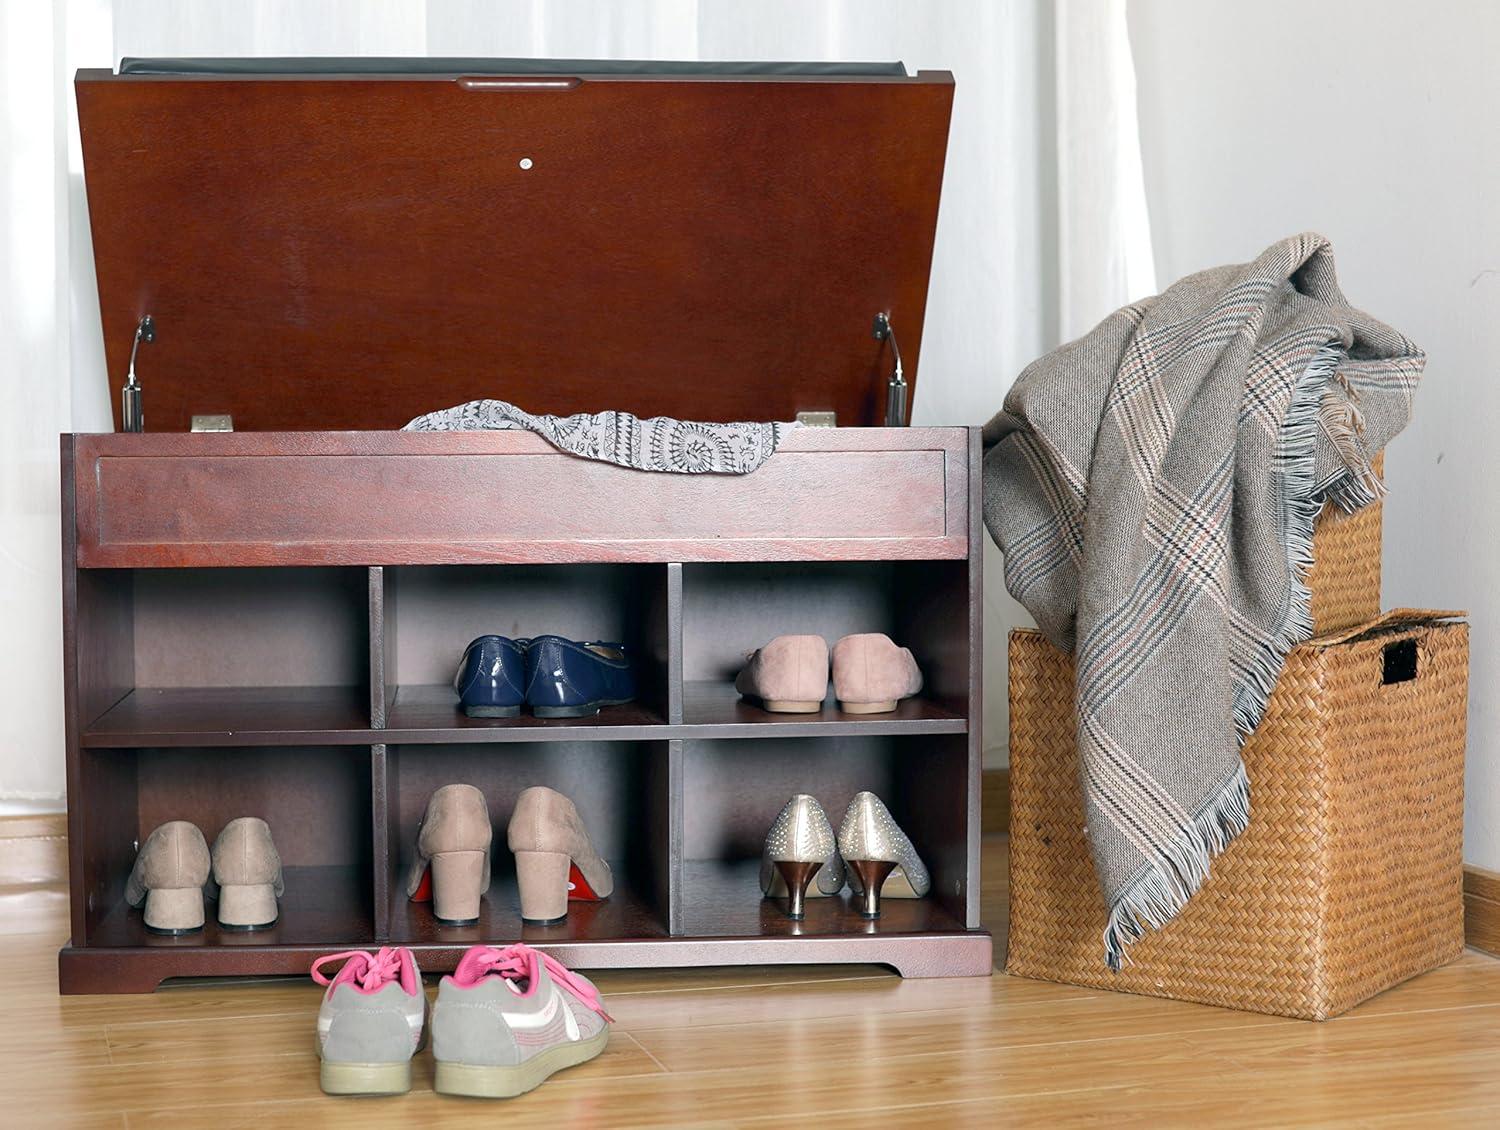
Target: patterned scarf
x=658 y=444
x=1153 y=486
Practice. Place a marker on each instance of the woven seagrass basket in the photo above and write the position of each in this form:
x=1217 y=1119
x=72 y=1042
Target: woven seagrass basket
x=1349 y=878
x=1345 y=577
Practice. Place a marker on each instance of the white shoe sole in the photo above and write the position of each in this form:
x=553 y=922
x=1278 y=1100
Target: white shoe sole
x=365 y=1078
x=488 y=1082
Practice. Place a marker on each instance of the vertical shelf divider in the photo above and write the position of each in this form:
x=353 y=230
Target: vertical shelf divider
x=380 y=630
x=380 y=841
x=382 y=676
x=674 y=838
x=674 y=643
x=674 y=798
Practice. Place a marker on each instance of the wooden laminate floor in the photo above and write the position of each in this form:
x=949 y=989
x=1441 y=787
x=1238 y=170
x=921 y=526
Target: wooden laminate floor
x=829 y=1047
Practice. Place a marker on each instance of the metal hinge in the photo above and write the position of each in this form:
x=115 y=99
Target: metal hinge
x=132 y=414
x=895 y=391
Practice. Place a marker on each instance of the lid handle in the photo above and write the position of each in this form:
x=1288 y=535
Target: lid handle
x=481 y=83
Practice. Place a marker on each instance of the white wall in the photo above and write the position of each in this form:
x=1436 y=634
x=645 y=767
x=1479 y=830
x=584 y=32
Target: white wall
x=1374 y=122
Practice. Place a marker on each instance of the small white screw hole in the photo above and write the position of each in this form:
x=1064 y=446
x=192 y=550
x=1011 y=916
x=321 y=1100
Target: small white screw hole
x=525 y=162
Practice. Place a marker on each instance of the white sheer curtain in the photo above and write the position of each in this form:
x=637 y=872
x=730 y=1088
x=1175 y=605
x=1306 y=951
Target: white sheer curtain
x=1042 y=230
x=41 y=216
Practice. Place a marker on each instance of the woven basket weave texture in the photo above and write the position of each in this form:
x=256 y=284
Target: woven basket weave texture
x=1345 y=577
x=1349 y=878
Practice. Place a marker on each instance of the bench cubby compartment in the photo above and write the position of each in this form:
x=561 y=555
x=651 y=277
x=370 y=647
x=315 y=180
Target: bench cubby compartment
x=736 y=789
x=239 y=655
x=732 y=608
x=620 y=790
x=315 y=800
x=431 y=613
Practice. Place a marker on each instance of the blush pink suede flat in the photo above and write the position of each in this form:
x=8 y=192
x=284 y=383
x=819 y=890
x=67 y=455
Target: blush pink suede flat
x=788 y=676
x=871 y=674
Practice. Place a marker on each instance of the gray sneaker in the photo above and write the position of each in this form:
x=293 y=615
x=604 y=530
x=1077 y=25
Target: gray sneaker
x=370 y=1023
x=508 y=1018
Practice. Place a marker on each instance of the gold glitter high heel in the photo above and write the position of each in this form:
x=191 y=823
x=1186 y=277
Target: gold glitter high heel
x=881 y=858
x=801 y=857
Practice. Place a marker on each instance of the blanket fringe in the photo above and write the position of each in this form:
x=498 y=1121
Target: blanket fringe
x=1344 y=424
x=1163 y=889
x=1297 y=462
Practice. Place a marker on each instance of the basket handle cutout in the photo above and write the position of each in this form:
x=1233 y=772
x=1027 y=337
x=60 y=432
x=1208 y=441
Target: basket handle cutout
x=1400 y=662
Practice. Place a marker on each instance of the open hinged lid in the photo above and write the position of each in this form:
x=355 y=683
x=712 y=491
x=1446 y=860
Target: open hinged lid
x=358 y=245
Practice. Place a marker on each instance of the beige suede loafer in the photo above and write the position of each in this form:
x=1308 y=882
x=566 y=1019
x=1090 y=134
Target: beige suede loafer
x=168 y=876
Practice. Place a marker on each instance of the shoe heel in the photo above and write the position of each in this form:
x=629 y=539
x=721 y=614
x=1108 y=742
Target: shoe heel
x=868 y=707
x=174 y=910
x=872 y=875
x=791 y=706
x=542 y=877
x=456 y=880
x=247 y=906
x=365 y=1078
x=797 y=874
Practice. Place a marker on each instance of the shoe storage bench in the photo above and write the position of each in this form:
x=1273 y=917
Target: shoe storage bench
x=265 y=624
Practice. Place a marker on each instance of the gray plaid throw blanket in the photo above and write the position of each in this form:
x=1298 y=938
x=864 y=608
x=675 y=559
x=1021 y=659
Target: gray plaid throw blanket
x=661 y=443
x=1153 y=486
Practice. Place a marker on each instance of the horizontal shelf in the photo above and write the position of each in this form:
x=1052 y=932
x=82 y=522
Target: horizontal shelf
x=718 y=705
x=625 y=915
x=431 y=714
x=191 y=716
x=313 y=716
x=321 y=906
x=724 y=900
x=271 y=716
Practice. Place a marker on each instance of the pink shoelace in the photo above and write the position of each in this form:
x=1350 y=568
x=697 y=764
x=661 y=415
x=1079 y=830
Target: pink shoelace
x=521 y=962
x=371 y=972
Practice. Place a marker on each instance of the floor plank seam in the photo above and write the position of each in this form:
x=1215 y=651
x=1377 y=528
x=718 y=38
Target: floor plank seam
x=1355 y=1015
x=216 y=1018
x=661 y=1067
x=757 y=987
x=1219 y=1023
x=905 y=1056
x=940 y=1103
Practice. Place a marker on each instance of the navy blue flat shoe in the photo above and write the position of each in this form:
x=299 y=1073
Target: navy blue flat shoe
x=567 y=679
x=491 y=679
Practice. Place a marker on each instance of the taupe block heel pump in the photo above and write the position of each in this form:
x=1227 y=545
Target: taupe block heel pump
x=247 y=874
x=555 y=860
x=459 y=880
x=881 y=858
x=452 y=866
x=801 y=856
